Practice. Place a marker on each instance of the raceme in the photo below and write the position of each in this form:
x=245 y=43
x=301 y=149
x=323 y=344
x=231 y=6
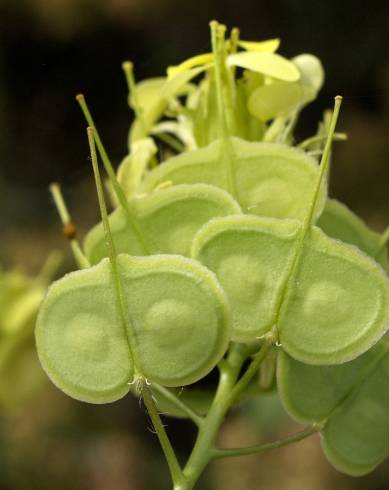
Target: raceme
x=223 y=252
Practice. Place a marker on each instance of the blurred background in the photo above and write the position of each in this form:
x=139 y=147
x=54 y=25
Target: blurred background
x=50 y=50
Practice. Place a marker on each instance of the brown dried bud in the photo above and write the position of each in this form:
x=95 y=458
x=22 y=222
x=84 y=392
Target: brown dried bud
x=69 y=230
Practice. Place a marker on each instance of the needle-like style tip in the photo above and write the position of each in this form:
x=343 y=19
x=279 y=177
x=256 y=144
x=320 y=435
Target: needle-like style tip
x=127 y=65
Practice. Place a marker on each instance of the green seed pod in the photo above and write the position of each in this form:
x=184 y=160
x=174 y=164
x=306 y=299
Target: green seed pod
x=168 y=219
x=170 y=325
x=327 y=301
x=266 y=179
x=349 y=401
x=179 y=317
x=336 y=305
x=338 y=221
x=80 y=338
x=251 y=257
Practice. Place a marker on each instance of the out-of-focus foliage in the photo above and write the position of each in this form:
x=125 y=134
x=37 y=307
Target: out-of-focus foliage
x=21 y=375
x=64 y=19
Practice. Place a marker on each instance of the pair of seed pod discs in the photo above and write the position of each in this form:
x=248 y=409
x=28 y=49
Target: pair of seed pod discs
x=223 y=254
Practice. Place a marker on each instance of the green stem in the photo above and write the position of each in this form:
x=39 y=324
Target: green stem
x=218 y=49
x=232 y=452
x=244 y=381
x=174 y=467
x=383 y=240
x=315 y=153
x=171 y=141
x=228 y=390
x=175 y=400
x=275 y=129
x=132 y=218
x=128 y=69
x=68 y=225
x=319 y=138
x=112 y=249
x=50 y=267
x=217 y=38
x=289 y=127
x=323 y=169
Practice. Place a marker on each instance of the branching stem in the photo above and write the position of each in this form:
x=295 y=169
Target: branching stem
x=175 y=400
x=232 y=452
x=174 y=466
x=228 y=390
x=252 y=369
x=320 y=138
x=69 y=228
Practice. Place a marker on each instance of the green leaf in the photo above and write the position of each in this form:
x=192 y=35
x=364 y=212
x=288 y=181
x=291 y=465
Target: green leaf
x=266 y=179
x=168 y=219
x=350 y=401
x=269 y=64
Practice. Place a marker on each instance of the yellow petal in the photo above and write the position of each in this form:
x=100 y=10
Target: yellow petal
x=268 y=46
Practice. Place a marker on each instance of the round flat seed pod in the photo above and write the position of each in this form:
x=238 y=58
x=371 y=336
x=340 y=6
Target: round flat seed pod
x=179 y=317
x=328 y=301
x=80 y=338
x=350 y=401
x=336 y=304
x=356 y=437
x=311 y=393
x=168 y=219
x=338 y=221
x=266 y=179
x=251 y=257
x=192 y=167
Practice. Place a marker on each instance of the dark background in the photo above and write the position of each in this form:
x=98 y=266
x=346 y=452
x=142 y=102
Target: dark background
x=52 y=49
